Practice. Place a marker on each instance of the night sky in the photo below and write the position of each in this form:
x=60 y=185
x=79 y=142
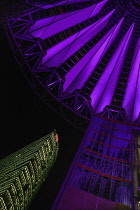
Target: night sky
x=25 y=118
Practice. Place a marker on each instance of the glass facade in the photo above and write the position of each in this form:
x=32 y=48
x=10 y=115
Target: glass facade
x=23 y=172
x=85 y=55
x=105 y=169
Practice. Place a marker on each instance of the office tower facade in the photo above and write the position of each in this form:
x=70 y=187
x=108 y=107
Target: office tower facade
x=83 y=55
x=23 y=172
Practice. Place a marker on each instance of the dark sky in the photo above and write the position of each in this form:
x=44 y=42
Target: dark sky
x=24 y=118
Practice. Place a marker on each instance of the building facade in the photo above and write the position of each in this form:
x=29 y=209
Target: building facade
x=23 y=172
x=83 y=55
x=105 y=171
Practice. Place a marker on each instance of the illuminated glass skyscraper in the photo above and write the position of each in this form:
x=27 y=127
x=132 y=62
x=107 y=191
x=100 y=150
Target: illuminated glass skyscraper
x=83 y=58
x=23 y=172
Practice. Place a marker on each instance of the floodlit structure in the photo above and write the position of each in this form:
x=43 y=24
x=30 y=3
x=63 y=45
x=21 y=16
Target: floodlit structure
x=83 y=58
x=23 y=172
x=105 y=171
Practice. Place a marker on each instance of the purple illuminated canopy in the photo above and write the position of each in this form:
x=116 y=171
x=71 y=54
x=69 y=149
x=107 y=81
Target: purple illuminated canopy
x=83 y=54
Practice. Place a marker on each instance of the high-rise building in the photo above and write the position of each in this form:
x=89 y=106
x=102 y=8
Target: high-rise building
x=83 y=58
x=23 y=172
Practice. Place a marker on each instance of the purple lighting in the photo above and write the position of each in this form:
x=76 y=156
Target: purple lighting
x=132 y=97
x=89 y=62
x=70 y=42
x=52 y=25
x=71 y=2
x=102 y=94
x=102 y=166
x=84 y=58
x=62 y=51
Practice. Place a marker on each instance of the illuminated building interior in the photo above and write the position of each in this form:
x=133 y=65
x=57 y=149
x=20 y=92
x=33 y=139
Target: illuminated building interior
x=85 y=56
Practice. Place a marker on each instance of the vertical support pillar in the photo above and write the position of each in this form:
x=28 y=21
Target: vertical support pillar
x=136 y=169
